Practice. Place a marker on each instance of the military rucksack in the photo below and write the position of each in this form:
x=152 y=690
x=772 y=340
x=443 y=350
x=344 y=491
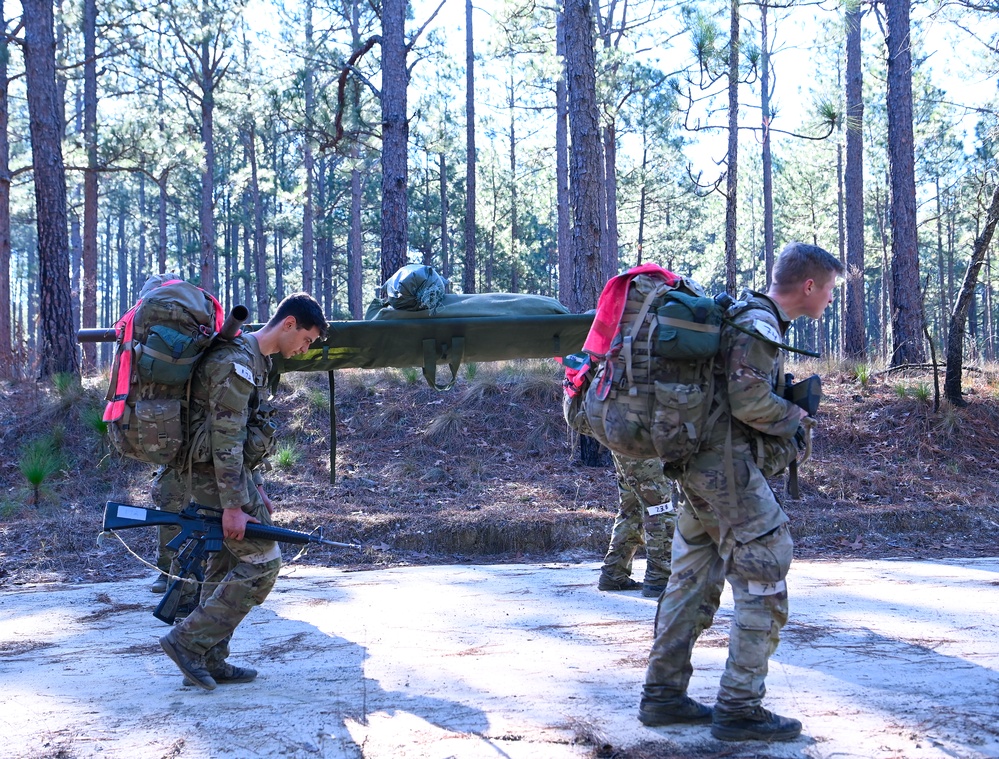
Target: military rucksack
x=644 y=385
x=160 y=340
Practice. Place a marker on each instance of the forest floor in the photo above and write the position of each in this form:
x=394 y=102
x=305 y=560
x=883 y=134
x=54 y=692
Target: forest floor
x=488 y=534
x=486 y=472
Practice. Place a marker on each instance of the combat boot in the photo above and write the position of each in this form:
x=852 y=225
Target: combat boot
x=606 y=582
x=159 y=584
x=675 y=711
x=652 y=591
x=192 y=665
x=758 y=725
x=229 y=673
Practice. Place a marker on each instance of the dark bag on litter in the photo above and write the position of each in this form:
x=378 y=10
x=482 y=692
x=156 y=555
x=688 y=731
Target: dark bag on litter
x=414 y=288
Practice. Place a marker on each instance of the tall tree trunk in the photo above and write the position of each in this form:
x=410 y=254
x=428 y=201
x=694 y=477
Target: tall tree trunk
x=445 y=242
x=395 y=138
x=90 y=181
x=308 y=210
x=959 y=317
x=7 y=368
x=907 y=301
x=468 y=282
x=611 y=254
x=58 y=350
x=585 y=160
x=732 y=168
x=514 y=229
x=768 y=170
x=207 y=216
x=161 y=223
x=643 y=195
x=563 y=221
x=854 y=342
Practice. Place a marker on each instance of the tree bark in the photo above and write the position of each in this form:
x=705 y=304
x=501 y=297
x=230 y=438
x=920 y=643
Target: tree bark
x=855 y=339
x=207 y=215
x=468 y=282
x=768 y=178
x=907 y=300
x=732 y=162
x=585 y=160
x=395 y=138
x=90 y=181
x=308 y=160
x=58 y=350
x=445 y=242
x=959 y=317
x=563 y=220
x=7 y=368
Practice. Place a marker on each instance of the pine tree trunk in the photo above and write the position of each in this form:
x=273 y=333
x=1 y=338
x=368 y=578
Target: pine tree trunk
x=854 y=338
x=468 y=282
x=585 y=159
x=965 y=299
x=732 y=162
x=308 y=161
x=445 y=242
x=7 y=368
x=768 y=179
x=563 y=220
x=58 y=349
x=207 y=216
x=90 y=182
x=395 y=138
x=611 y=255
x=907 y=300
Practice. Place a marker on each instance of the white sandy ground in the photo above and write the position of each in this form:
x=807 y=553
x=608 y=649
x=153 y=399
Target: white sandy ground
x=880 y=659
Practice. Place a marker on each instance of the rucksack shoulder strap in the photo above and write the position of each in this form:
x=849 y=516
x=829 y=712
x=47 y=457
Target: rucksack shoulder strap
x=742 y=307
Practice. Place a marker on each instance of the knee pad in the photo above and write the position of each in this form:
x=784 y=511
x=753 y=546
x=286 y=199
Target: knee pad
x=765 y=559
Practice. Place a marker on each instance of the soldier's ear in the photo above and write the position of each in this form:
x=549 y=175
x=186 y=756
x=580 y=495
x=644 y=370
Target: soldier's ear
x=289 y=323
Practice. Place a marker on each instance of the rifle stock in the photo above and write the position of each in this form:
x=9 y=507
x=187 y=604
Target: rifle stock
x=806 y=394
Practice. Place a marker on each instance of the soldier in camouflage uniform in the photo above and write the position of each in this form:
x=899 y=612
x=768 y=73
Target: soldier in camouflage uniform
x=729 y=523
x=645 y=517
x=230 y=435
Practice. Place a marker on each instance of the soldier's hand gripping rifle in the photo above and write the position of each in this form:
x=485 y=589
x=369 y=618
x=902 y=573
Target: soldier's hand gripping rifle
x=199 y=534
x=806 y=394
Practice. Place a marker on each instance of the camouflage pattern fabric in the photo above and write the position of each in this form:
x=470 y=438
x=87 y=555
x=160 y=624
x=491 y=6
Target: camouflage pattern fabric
x=730 y=526
x=169 y=492
x=225 y=396
x=641 y=485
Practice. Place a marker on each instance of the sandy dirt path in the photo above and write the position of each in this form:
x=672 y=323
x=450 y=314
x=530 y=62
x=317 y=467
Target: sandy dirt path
x=881 y=659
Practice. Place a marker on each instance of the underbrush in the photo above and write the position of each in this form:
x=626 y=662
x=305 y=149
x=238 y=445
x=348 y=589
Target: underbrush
x=487 y=472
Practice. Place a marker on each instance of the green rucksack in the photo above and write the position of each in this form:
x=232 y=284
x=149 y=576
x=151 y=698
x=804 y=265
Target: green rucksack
x=650 y=392
x=160 y=340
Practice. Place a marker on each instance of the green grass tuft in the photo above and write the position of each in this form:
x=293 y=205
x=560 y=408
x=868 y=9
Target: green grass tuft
x=286 y=456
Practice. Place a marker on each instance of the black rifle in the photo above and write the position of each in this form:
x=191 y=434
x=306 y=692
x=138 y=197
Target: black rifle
x=806 y=394
x=199 y=534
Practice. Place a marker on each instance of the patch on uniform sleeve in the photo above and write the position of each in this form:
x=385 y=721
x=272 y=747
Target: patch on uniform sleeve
x=767 y=330
x=244 y=372
x=236 y=392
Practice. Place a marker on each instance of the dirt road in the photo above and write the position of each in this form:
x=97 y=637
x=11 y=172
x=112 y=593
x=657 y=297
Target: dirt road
x=880 y=659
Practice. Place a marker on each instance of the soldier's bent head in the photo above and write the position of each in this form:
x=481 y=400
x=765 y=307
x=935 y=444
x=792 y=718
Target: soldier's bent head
x=306 y=310
x=800 y=261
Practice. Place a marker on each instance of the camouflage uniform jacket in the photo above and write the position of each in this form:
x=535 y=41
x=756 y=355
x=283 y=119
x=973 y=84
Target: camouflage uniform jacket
x=229 y=424
x=749 y=377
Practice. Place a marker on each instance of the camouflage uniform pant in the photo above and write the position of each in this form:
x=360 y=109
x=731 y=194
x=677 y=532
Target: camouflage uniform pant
x=169 y=492
x=642 y=488
x=239 y=577
x=711 y=544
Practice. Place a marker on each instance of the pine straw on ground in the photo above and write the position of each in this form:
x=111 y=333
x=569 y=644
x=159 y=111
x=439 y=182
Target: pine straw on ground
x=485 y=472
